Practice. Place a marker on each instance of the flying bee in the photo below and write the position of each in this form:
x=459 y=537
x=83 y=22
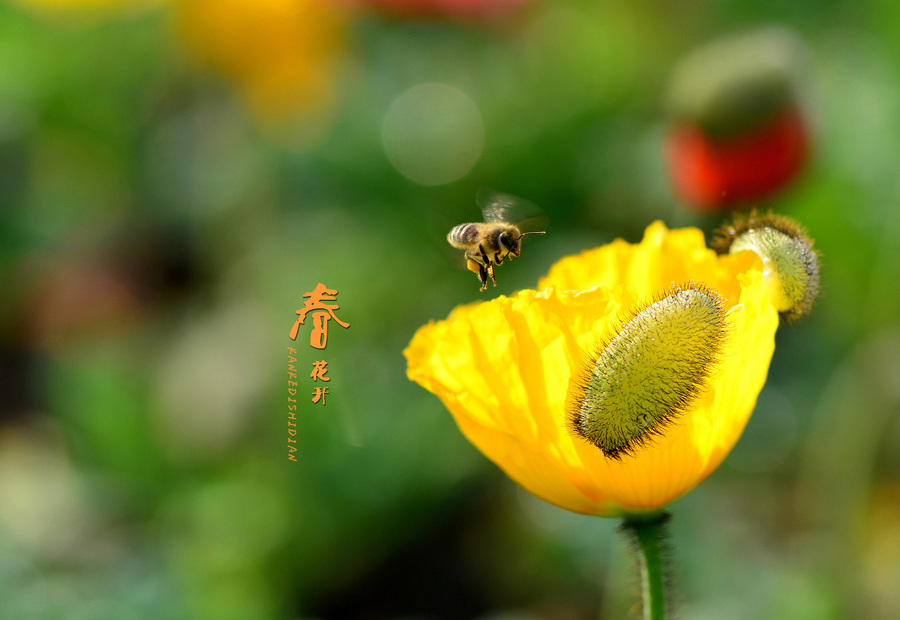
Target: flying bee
x=488 y=243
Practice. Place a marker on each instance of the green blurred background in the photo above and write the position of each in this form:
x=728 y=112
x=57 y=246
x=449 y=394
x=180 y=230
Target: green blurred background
x=164 y=209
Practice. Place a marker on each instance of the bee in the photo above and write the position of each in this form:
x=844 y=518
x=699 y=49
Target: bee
x=490 y=242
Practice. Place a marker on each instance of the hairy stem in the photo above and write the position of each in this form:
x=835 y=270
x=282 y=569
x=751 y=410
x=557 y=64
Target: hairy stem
x=649 y=538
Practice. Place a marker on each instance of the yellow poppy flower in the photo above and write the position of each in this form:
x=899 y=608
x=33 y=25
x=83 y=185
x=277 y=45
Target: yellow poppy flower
x=503 y=369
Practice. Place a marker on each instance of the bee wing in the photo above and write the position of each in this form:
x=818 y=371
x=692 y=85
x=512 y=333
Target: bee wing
x=537 y=223
x=499 y=207
x=495 y=206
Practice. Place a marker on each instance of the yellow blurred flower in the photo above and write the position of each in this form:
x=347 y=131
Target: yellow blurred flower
x=70 y=6
x=284 y=55
x=503 y=369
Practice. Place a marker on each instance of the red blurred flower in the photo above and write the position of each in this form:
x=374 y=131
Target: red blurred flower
x=476 y=9
x=739 y=131
x=710 y=174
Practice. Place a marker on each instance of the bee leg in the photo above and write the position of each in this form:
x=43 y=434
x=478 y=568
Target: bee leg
x=490 y=271
x=482 y=276
x=480 y=270
x=485 y=259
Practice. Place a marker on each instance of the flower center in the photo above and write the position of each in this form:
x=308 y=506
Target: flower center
x=649 y=373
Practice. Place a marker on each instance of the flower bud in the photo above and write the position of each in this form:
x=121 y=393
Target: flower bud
x=792 y=263
x=649 y=372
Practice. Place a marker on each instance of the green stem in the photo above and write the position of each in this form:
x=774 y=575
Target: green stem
x=649 y=538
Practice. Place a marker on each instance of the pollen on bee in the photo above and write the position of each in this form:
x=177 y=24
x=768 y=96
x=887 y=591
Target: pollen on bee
x=651 y=371
x=792 y=263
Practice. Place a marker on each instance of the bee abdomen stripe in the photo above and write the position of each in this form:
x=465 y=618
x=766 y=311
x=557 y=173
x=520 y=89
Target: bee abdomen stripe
x=464 y=234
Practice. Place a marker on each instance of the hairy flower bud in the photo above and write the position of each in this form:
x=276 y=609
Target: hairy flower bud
x=649 y=372
x=791 y=261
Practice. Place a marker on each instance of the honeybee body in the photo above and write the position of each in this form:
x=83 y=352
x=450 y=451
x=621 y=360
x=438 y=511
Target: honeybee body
x=488 y=243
